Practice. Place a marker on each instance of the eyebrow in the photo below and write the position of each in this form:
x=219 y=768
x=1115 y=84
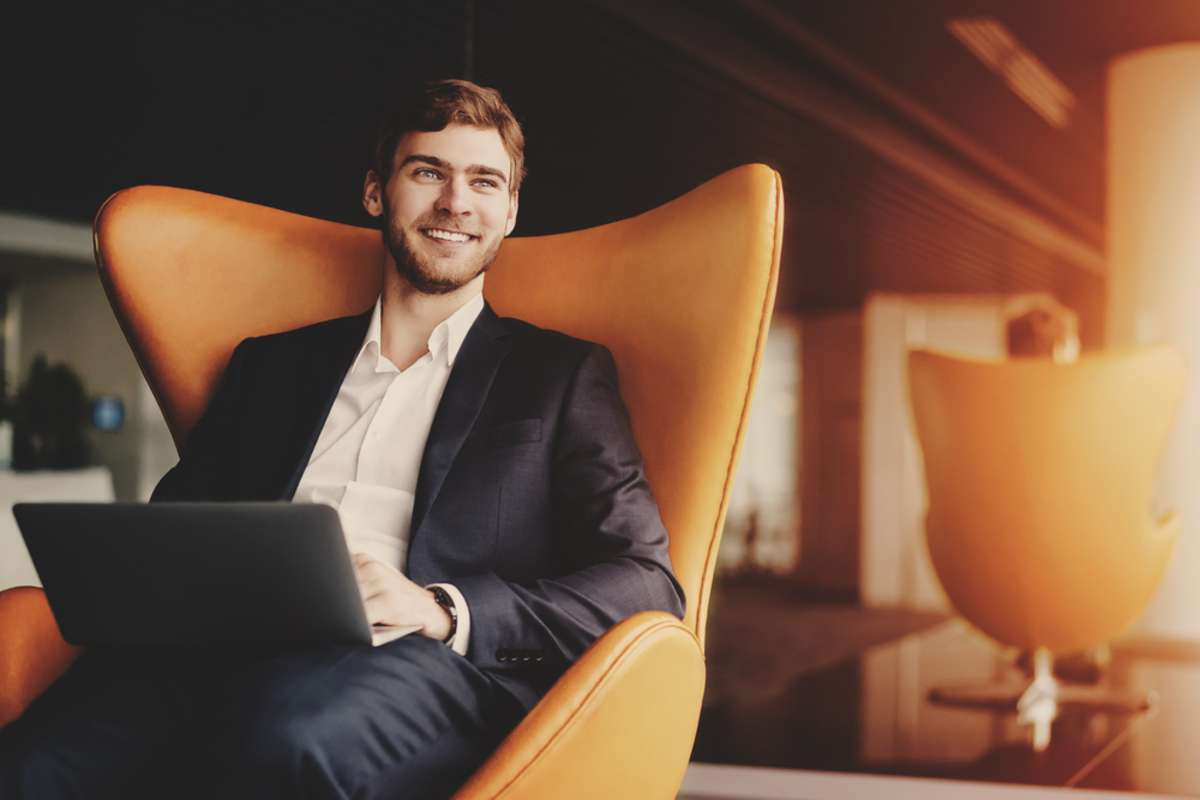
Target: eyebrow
x=473 y=169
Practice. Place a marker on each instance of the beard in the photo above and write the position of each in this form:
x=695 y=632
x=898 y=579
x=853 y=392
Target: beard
x=421 y=272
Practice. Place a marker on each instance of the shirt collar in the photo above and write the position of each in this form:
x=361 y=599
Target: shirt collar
x=458 y=325
x=444 y=341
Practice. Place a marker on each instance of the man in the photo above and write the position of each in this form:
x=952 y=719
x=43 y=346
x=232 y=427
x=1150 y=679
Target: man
x=490 y=490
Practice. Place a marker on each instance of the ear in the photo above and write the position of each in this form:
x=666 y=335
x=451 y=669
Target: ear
x=372 y=198
x=512 y=213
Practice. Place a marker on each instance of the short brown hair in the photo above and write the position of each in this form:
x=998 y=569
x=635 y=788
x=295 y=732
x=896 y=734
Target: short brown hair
x=434 y=105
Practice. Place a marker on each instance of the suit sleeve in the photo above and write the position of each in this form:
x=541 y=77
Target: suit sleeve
x=203 y=463
x=609 y=530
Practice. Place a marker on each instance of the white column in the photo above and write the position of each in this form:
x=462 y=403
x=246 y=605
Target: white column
x=1154 y=278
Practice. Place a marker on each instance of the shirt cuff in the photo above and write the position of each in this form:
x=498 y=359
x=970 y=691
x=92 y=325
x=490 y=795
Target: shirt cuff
x=462 y=635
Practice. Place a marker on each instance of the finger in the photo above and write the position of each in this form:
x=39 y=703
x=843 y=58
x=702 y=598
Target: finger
x=385 y=567
x=370 y=588
x=367 y=570
x=373 y=566
x=376 y=610
x=363 y=560
x=372 y=594
x=376 y=572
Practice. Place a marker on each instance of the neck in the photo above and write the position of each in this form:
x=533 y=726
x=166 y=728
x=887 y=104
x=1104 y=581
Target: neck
x=408 y=317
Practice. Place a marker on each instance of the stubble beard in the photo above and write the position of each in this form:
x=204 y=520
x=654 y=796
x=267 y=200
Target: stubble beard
x=418 y=271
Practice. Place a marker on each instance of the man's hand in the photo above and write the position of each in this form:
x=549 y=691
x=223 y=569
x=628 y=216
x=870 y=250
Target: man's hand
x=390 y=598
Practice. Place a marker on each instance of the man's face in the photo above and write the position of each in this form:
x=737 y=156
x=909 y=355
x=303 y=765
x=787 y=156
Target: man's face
x=447 y=206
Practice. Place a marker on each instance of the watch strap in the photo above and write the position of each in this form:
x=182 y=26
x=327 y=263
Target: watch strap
x=444 y=600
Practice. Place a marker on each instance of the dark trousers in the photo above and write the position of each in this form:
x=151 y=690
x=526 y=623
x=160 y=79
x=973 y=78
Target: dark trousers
x=410 y=719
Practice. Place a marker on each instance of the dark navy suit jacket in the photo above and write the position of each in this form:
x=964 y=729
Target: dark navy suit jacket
x=531 y=497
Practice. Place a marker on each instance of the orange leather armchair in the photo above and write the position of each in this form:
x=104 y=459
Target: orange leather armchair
x=682 y=295
x=1040 y=479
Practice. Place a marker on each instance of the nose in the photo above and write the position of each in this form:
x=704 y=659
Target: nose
x=454 y=198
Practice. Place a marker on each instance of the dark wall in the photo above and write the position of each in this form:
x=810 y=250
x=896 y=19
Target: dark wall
x=268 y=102
x=276 y=104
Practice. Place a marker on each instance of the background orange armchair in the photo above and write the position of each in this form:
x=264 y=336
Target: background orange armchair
x=681 y=295
x=1041 y=478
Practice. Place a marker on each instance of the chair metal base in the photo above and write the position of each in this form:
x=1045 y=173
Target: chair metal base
x=1038 y=702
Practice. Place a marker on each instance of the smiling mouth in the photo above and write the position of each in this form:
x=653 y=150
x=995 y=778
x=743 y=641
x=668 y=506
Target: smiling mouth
x=445 y=236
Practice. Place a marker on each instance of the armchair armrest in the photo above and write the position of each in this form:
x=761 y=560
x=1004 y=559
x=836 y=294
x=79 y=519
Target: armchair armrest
x=619 y=723
x=33 y=654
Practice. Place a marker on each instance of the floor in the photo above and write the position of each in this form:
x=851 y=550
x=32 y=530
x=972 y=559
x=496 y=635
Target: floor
x=713 y=782
x=763 y=632
x=817 y=699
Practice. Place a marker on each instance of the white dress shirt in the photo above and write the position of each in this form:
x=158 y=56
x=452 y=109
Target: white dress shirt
x=367 y=458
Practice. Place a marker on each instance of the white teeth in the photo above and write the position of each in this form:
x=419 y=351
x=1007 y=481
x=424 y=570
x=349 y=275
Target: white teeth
x=449 y=236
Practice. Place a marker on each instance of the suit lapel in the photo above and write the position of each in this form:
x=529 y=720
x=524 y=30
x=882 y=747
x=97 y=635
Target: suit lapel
x=479 y=357
x=326 y=363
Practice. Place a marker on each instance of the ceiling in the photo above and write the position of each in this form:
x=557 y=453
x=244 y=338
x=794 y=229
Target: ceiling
x=902 y=55
x=275 y=103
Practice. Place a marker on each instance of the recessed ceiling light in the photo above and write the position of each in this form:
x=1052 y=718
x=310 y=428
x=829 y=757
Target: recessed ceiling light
x=1029 y=78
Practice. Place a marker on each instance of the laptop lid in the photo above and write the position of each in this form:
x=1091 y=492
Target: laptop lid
x=195 y=573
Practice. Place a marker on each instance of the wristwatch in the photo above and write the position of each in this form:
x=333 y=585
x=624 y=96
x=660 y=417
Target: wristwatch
x=444 y=600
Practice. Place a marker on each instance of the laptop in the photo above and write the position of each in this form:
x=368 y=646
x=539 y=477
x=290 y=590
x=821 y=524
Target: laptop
x=197 y=573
